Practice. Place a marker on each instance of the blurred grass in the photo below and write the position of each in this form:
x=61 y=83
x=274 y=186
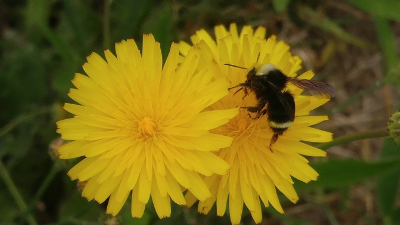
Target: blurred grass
x=386 y=9
x=389 y=50
x=43 y=43
x=321 y=21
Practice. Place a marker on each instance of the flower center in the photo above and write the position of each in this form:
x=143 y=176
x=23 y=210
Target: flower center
x=241 y=126
x=147 y=127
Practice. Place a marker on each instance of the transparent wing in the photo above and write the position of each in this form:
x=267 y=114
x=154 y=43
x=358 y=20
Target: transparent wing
x=318 y=89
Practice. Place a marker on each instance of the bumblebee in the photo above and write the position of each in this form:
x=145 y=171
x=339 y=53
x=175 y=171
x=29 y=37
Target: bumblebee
x=268 y=83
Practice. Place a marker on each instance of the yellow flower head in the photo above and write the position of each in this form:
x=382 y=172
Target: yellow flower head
x=142 y=128
x=256 y=171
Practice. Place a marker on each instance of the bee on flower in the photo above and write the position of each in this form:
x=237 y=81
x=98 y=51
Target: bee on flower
x=256 y=171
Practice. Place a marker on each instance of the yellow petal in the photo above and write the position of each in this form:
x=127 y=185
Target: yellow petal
x=114 y=205
x=236 y=207
x=144 y=186
x=161 y=203
x=198 y=187
x=137 y=206
x=174 y=190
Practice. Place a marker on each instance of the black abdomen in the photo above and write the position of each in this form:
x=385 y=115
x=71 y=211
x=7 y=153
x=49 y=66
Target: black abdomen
x=281 y=111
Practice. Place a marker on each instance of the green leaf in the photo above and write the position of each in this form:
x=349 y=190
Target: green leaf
x=37 y=12
x=23 y=77
x=62 y=82
x=388 y=184
x=342 y=172
x=9 y=210
x=37 y=18
x=280 y=5
x=77 y=207
x=79 y=27
x=127 y=18
x=149 y=216
x=326 y=24
x=129 y=220
x=390 y=150
x=388 y=45
x=395 y=216
x=160 y=24
x=285 y=218
x=388 y=9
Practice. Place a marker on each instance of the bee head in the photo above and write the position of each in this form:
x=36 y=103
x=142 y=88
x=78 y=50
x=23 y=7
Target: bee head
x=265 y=69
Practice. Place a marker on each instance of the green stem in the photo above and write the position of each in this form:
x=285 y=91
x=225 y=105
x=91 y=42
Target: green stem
x=15 y=193
x=42 y=189
x=321 y=199
x=24 y=117
x=382 y=132
x=106 y=23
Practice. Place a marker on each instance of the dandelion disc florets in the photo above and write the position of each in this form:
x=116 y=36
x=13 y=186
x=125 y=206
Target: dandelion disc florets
x=143 y=128
x=256 y=172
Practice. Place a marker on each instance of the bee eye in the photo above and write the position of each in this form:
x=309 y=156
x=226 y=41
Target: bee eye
x=265 y=69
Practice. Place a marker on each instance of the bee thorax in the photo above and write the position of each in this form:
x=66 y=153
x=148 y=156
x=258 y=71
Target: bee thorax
x=265 y=69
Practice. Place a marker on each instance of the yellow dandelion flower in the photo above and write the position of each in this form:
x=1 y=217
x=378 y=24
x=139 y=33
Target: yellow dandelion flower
x=256 y=171
x=142 y=128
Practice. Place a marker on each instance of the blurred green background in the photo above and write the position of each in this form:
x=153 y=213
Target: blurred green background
x=351 y=44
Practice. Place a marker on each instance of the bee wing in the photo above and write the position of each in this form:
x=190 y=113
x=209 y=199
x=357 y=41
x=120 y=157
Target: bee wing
x=318 y=89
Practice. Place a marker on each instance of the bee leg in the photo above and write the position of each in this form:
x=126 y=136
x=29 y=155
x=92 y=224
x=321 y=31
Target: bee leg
x=253 y=118
x=259 y=114
x=257 y=109
x=243 y=86
x=239 y=85
x=234 y=87
x=238 y=90
x=254 y=109
x=273 y=140
x=262 y=113
x=245 y=93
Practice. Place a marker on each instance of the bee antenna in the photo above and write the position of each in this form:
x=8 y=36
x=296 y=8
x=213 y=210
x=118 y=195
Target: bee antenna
x=227 y=64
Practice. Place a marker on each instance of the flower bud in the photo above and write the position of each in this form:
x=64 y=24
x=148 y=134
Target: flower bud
x=394 y=126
